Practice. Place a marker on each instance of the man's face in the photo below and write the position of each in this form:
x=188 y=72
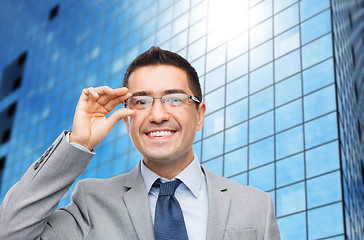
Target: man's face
x=163 y=135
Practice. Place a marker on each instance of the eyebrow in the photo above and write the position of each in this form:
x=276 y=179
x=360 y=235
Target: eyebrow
x=149 y=93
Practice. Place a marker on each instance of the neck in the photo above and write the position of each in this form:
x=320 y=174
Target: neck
x=169 y=168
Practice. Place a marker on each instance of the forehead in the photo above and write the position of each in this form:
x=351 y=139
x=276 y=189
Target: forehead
x=158 y=79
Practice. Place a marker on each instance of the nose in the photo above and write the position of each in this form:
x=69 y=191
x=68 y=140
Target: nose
x=158 y=112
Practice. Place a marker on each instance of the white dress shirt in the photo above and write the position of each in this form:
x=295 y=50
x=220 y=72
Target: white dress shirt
x=191 y=195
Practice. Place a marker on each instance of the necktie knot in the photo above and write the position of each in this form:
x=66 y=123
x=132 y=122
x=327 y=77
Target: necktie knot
x=167 y=188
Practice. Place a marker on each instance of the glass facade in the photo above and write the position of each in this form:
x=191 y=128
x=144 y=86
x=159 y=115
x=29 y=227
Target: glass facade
x=282 y=80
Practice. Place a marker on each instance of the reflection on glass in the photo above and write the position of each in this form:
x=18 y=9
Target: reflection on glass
x=290 y=170
x=325 y=221
x=321 y=130
x=265 y=183
x=236 y=137
x=288 y=90
x=293 y=227
x=261 y=127
x=261 y=152
x=322 y=159
x=317 y=51
x=316 y=27
x=288 y=115
x=320 y=102
x=286 y=19
x=324 y=189
x=236 y=162
x=214 y=165
x=261 y=102
x=261 y=78
x=291 y=199
x=318 y=76
x=236 y=113
x=289 y=142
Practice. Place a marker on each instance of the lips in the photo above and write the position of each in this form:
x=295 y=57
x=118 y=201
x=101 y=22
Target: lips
x=161 y=133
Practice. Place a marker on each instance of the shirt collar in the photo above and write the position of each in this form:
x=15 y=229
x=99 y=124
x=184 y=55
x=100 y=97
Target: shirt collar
x=192 y=176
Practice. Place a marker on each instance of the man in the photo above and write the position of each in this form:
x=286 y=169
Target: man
x=163 y=111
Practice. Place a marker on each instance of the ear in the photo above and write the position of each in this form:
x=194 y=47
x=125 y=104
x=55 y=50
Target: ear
x=127 y=124
x=200 y=116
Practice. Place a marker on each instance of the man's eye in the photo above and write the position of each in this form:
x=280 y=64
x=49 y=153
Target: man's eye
x=175 y=100
x=141 y=102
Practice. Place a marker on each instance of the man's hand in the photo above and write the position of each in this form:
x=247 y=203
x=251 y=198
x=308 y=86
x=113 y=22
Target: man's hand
x=90 y=125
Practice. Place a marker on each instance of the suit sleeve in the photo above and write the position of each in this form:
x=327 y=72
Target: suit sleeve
x=29 y=203
x=271 y=225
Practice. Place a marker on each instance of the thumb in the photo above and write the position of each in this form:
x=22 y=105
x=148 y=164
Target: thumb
x=119 y=115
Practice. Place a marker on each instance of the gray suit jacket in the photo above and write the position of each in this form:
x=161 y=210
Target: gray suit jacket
x=117 y=208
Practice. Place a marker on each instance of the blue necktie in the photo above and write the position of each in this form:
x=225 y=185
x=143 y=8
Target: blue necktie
x=168 y=222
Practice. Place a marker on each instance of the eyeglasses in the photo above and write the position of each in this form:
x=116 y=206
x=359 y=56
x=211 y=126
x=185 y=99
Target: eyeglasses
x=173 y=100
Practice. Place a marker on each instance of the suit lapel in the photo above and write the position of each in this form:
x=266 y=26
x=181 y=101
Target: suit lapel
x=219 y=205
x=137 y=203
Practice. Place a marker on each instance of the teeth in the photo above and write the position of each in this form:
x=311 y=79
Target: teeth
x=160 y=133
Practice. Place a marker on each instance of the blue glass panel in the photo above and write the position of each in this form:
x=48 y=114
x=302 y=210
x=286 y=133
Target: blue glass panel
x=261 y=33
x=293 y=227
x=261 y=127
x=289 y=142
x=241 y=178
x=215 y=100
x=213 y=123
x=196 y=49
x=291 y=199
x=261 y=152
x=214 y=165
x=236 y=137
x=322 y=159
x=236 y=162
x=261 y=55
x=279 y=5
x=261 y=78
x=262 y=178
x=325 y=221
x=324 y=189
x=236 y=113
x=261 y=102
x=197 y=150
x=287 y=65
x=212 y=147
x=286 y=19
x=237 y=90
x=320 y=102
x=261 y=11
x=290 y=170
x=215 y=58
x=321 y=130
x=317 y=51
x=197 y=31
x=312 y=7
x=237 y=46
x=286 y=42
x=316 y=27
x=318 y=76
x=288 y=89
x=289 y=115
x=215 y=79
x=237 y=67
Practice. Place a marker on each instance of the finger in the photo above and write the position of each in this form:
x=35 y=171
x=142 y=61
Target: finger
x=119 y=115
x=89 y=93
x=106 y=90
x=110 y=105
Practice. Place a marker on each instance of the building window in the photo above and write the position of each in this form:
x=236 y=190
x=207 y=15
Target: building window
x=2 y=166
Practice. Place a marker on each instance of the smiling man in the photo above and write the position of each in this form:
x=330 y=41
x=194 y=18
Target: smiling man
x=168 y=195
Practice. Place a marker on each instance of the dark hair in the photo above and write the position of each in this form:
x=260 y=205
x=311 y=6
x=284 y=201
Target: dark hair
x=157 y=56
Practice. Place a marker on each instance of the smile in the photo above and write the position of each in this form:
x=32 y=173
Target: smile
x=160 y=133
